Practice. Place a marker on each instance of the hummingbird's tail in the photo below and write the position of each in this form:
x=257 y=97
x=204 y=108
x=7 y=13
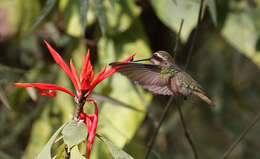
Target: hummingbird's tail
x=203 y=97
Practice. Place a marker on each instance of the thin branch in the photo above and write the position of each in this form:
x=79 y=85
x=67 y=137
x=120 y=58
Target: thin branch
x=241 y=137
x=154 y=135
x=178 y=39
x=67 y=153
x=195 y=35
x=187 y=133
x=166 y=109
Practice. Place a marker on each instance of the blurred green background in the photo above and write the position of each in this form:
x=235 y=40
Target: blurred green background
x=225 y=60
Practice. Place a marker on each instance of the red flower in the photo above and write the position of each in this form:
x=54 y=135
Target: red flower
x=83 y=84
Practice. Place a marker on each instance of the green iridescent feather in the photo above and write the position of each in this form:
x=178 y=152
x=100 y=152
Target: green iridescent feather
x=168 y=71
x=188 y=82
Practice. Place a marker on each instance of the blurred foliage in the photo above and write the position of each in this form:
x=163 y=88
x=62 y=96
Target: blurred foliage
x=225 y=60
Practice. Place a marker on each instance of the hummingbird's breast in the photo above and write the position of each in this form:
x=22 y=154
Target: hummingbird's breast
x=168 y=71
x=179 y=87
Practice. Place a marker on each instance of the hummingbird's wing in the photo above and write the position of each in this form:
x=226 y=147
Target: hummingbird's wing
x=163 y=90
x=147 y=75
x=143 y=74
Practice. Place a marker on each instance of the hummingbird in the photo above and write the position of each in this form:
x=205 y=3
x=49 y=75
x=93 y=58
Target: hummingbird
x=163 y=76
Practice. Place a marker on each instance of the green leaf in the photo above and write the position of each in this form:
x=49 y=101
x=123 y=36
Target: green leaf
x=112 y=2
x=46 y=152
x=116 y=152
x=213 y=11
x=171 y=13
x=242 y=31
x=3 y=155
x=119 y=124
x=84 y=4
x=75 y=154
x=45 y=11
x=100 y=13
x=74 y=133
x=121 y=15
x=113 y=101
x=29 y=11
x=71 y=11
x=3 y=98
x=8 y=74
x=61 y=152
x=39 y=137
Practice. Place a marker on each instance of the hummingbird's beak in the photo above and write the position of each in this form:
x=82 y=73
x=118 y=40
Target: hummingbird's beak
x=148 y=59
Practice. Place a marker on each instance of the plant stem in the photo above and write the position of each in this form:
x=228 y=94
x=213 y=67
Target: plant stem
x=79 y=106
x=241 y=137
x=178 y=39
x=195 y=35
x=154 y=135
x=187 y=133
x=166 y=109
x=67 y=153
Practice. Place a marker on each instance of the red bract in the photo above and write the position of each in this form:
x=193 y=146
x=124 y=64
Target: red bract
x=91 y=121
x=83 y=84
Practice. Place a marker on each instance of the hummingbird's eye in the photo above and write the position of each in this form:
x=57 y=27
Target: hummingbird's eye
x=157 y=57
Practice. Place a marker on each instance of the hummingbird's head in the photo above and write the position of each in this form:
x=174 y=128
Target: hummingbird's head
x=162 y=58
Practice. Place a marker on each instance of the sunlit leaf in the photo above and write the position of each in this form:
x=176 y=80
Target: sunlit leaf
x=121 y=15
x=112 y=2
x=46 y=152
x=71 y=11
x=29 y=12
x=75 y=154
x=116 y=152
x=112 y=119
x=83 y=13
x=213 y=11
x=74 y=133
x=38 y=137
x=45 y=11
x=113 y=101
x=61 y=152
x=171 y=13
x=100 y=13
x=241 y=31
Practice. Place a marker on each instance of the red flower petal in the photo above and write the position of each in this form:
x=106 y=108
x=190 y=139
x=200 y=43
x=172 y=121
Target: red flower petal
x=98 y=78
x=87 y=73
x=104 y=74
x=74 y=72
x=91 y=121
x=49 y=93
x=45 y=86
x=85 y=63
x=59 y=60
